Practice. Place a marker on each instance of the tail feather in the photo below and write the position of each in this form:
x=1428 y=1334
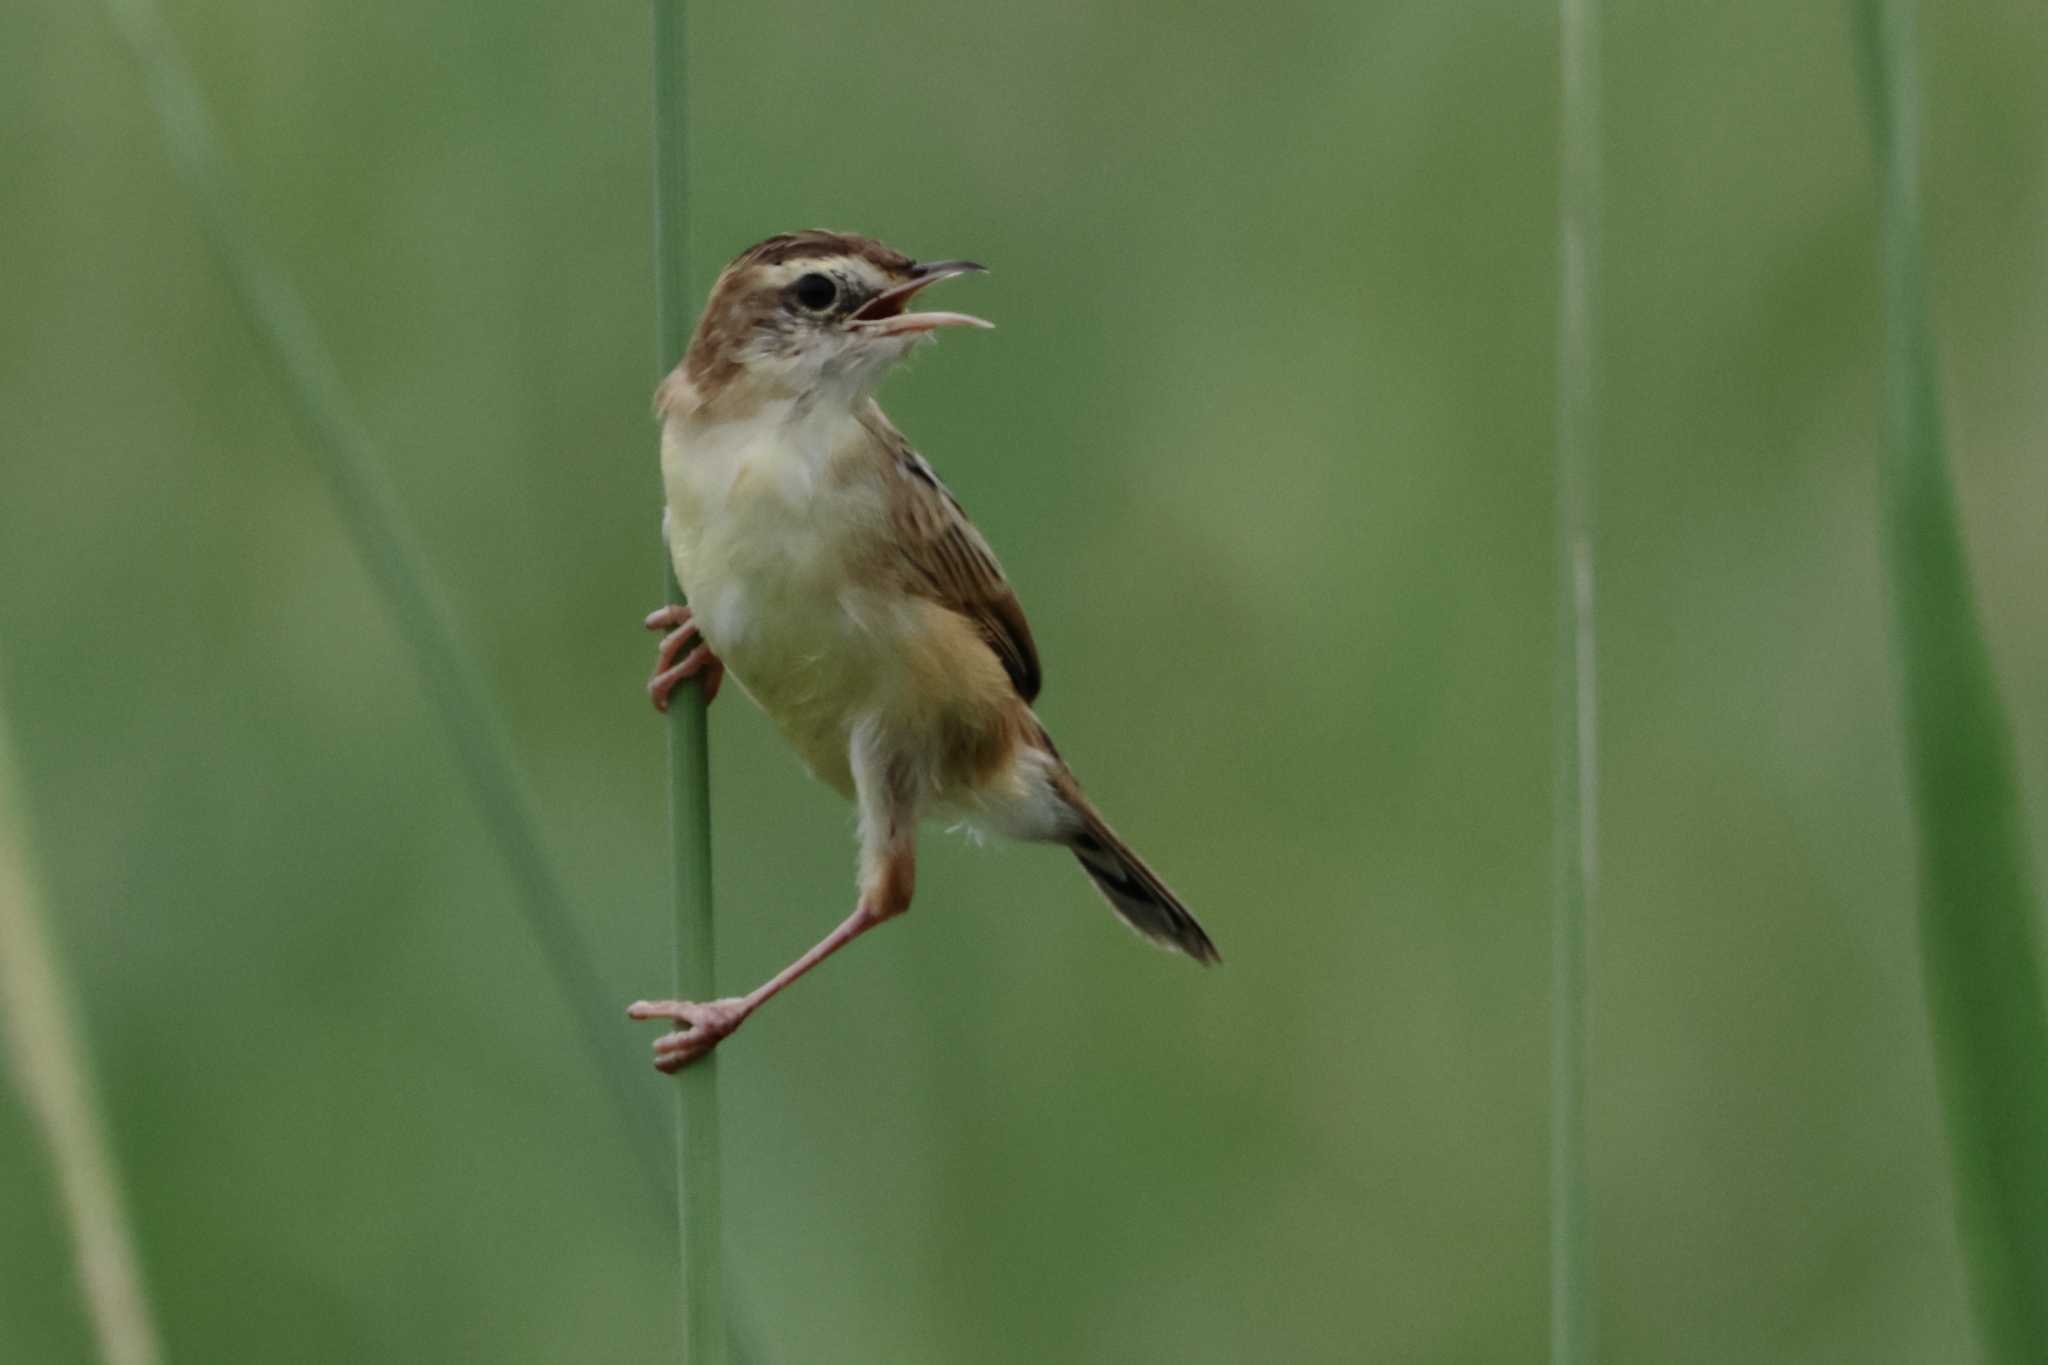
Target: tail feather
x=1134 y=890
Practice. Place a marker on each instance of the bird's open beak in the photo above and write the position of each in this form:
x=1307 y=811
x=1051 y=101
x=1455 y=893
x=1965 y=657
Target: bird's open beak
x=883 y=314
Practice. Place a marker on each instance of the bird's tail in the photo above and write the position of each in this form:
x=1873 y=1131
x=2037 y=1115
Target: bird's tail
x=1132 y=889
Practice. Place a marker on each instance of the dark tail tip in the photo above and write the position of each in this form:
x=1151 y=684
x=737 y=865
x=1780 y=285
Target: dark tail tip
x=1137 y=894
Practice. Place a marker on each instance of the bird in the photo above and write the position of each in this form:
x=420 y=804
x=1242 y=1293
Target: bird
x=836 y=580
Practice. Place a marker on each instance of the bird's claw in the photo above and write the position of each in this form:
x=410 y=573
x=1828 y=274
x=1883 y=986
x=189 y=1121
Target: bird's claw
x=672 y=664
x=703 y=1026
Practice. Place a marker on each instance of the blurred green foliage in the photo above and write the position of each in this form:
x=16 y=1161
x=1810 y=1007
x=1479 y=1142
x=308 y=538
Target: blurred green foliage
x=1979 y=911
x=1263 y=438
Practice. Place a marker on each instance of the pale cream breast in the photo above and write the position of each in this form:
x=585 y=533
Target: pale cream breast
x=770 y=522
x=780 y=525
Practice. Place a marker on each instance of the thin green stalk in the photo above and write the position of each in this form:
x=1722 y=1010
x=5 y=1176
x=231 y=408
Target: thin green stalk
x=51 y=1070
x=697 y=1155
x=1978 y=929
x=1575 y=803
x=347 y=458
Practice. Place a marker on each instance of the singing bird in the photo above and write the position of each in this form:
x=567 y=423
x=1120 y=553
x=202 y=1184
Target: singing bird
x=843 y=587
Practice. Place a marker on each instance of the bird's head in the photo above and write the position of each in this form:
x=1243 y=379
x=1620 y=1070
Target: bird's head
x=805 y=314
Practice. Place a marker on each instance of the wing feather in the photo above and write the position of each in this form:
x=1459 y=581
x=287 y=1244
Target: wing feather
x=949 y=561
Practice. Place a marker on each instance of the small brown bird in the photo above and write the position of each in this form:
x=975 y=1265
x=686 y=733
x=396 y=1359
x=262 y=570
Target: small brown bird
x=847 y=592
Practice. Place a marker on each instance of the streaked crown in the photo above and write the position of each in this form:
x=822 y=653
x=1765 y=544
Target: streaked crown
x=805 y=309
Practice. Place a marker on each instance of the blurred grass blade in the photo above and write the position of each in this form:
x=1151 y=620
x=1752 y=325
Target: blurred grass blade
x=1574 y=803
x=698 y=1208
x=347 y=458
x=50 y=1071
x=1978 y=929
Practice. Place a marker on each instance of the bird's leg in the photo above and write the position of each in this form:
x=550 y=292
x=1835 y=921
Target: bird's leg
x=704 y=1025
x=888 y=877
x=669 y=669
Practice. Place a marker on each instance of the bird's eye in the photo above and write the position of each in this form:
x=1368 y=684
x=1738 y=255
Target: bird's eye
x=816 y=292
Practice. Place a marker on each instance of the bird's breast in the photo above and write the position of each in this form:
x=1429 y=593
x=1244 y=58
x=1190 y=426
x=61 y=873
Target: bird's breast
x=769 y=536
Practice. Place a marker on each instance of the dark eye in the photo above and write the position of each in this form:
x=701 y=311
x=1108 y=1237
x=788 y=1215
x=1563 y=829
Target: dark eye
x=816 y=292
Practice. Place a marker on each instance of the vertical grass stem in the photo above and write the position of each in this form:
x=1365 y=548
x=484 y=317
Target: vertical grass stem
x=1575 y=803
x=1979 y=932
x=697 y=1154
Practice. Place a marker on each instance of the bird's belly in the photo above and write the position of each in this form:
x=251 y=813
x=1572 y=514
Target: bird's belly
x=812 y=647
x=790 y=587
x=822 y=656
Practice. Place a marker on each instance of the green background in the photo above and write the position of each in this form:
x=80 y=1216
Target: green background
x=1264 y=439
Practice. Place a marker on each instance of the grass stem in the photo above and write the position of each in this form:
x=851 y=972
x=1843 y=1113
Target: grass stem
x=697 y=1155
x=50 y=1069
x=1979 y=934
x=347 y=458
x=1575 y=805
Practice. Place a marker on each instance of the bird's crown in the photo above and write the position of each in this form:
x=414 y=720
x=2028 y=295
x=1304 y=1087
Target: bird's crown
x=805 y=310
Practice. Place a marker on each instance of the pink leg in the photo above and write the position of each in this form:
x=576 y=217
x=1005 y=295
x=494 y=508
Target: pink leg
x=887 y=876
x=888 y=821
x=703 y=1025
x=669 y=672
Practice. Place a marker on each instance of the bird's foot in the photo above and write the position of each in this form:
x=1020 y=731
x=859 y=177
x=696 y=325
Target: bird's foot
x=683 y=654
x=702 y=1027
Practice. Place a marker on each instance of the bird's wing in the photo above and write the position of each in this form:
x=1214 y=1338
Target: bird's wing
x=948 y=560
